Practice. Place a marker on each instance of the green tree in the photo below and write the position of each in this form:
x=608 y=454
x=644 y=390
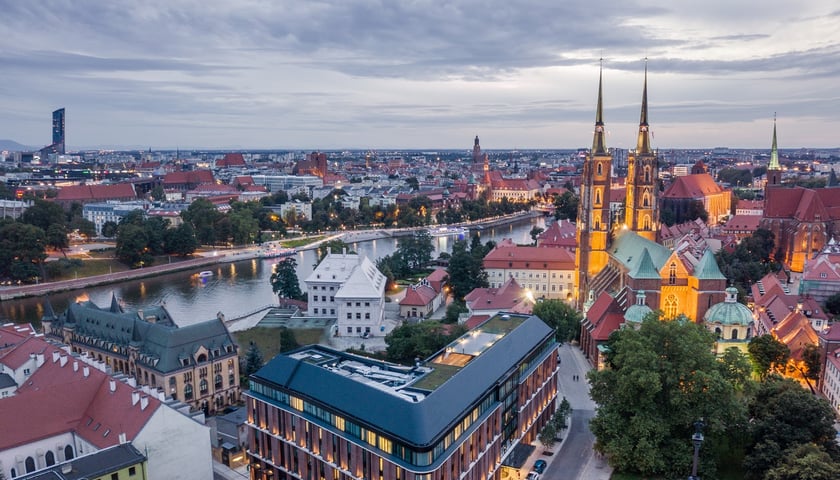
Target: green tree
x=288 y=341
x=466 y=272
x=566 y=206
x=203 y=216
x=132 y=246
x=416 y=250
x=22 y=251
x=419 y=340
x=244 y=227
x=44 y=213
x=84 y=226
x=413 y=183
x=454 y=311
x=180 y=240
x=559 y=315
x=284 y=280
x=812 y=357
x=784 y=416
x=768 y=354
x=805 y=462
x=253 y=359
x=737 y=368
x=57 y=237
x=158 y=194
x=562 y=413
x=535 y=232
x=832 y=304
x=548 y=435
x=109 y=229
x=660 y=379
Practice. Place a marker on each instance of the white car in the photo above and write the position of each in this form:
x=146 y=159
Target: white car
x=533 y=476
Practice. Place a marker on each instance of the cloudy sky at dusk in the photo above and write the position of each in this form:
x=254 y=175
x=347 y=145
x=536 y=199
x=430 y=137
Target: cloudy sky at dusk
x=331 y=74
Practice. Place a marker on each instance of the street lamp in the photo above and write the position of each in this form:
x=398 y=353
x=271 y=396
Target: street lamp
x=697 y=440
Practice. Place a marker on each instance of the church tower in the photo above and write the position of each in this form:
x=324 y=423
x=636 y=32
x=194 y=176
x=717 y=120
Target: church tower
x=774 y=168
x=642 y=211
x=593 y=220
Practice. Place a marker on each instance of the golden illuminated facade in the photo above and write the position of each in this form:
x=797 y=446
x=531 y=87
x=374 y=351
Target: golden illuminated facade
x=593 y=223
x=642 y=214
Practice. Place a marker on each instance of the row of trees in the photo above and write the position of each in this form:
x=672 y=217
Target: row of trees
x=750 y=261
x=663 y=377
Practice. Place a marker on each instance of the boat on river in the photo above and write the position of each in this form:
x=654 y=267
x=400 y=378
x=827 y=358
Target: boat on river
x=447 y=231
x=277 y=252
x=205 y=274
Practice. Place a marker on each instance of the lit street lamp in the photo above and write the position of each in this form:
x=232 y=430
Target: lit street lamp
x=697 y=440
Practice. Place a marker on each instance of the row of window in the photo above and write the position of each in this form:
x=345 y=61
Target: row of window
x=500 y=273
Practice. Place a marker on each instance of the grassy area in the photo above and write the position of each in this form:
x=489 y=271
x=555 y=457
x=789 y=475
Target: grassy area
x=299 y=242
x=268 y=339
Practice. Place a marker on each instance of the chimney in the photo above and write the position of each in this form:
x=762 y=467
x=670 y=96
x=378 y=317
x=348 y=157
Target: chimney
x=135 y=397
x=75 y=366
x=112 y=384
x=123 y=440
x=63 y=360
x=56 y=354
x=86 y=371
x=144 y=402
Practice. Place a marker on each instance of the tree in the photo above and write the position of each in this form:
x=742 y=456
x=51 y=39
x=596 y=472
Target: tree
x=807 y=461
x=132 y=246
x=203 y=216
x=180 y=240
x=158 y=194
x=413 y=183
x=559 y=315
x=559 y=417
x=660 y=379
x=466 y=272
x=548 y=435
x=812 y=357
x=287 y=340
x=454 y=311
x=43 y=213
x=419 y=340
x=57 y=237
x=783 y=416
x=768 y=354
x=535 y=232
x=253 y=359
x=284 y=280
x=416 y=250
x=22 y=251
x=832 y=304
x=736 y=368
x=109 y=229
x=566 y=206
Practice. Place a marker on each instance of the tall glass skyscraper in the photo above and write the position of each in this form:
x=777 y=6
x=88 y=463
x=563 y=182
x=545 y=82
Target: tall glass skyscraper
x=58 y=131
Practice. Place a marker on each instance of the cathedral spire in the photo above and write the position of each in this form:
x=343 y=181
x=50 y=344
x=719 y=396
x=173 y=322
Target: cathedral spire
x=774 y=150
x=643 y=142
x=599 y=146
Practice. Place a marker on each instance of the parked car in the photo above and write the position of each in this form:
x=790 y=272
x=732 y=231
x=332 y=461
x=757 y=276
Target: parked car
x=533 y=476
x=539 y=466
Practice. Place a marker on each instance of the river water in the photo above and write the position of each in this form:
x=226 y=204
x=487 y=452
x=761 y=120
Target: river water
x=234 y=289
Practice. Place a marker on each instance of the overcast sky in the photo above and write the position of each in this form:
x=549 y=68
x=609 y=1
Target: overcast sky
x=379 y=74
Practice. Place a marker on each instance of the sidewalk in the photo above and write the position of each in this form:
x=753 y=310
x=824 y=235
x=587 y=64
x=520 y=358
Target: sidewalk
x=572 y=364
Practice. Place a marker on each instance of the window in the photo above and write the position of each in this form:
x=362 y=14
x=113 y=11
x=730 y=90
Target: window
x=30 y=464
x=358 y=304
x=358 y=316
x=132 y=471
x=367 y=304
x=332 y=311
x=26 y=371
x=367 y=316
x=672 y=274
x=734 y=334
x=671 y=306
x=218 y=383
x=600 y=169
x=358 y=329
x=349 y=315
x=316 y=311
x=115 y=476
x=68 y=452
x=202 y=387
x=332 y=299
x=188 y=392
x=49 y=458
x=172 y=384
x=349 y=329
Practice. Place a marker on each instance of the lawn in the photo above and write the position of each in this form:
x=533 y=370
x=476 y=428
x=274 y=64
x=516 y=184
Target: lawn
x=268 y=339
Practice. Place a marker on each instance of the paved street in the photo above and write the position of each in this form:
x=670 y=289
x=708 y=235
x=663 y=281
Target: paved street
x=573 y=457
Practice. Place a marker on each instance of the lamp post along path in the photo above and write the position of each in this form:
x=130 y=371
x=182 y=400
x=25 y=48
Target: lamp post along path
x=697 y=440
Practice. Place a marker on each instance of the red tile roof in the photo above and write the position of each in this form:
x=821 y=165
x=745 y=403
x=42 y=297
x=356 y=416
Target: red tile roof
x=68 y=401
x=193 y=177
x=796 y=332
x=418 y=295
x=231 y=160
x=93 y=193
x=694 y=186
x=508 y=255
x=510 y=297
x=743 y=223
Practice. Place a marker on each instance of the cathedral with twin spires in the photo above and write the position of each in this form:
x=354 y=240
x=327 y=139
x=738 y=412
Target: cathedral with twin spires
x=621 y=271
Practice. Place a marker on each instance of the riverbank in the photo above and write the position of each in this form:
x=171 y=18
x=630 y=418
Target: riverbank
x=213 y=257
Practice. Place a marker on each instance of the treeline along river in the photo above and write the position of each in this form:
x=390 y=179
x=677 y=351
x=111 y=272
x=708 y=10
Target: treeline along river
x=233 y=289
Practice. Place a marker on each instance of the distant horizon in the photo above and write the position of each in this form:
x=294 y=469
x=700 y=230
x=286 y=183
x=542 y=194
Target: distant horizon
x=335 y=75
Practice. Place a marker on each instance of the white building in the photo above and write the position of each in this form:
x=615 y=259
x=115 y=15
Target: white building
x=350 y=289
x=101 y=213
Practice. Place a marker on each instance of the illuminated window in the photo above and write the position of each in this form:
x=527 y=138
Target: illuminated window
x=296 y=403
x=672 y=305
x=672 y=274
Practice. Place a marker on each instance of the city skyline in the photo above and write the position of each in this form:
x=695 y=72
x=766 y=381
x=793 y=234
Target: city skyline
x=429 y=74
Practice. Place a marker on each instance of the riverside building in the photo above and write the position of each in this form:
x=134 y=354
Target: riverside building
x=324 y=414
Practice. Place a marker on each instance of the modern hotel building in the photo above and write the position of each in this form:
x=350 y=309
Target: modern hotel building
x=317 y=413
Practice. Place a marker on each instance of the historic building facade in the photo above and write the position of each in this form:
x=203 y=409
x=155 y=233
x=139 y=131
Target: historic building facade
x=197 y=364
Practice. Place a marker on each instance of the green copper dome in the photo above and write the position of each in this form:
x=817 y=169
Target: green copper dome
x=636 y=313
x=730 y=312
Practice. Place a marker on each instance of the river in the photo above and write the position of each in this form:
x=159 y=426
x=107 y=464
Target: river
x=234 y=289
